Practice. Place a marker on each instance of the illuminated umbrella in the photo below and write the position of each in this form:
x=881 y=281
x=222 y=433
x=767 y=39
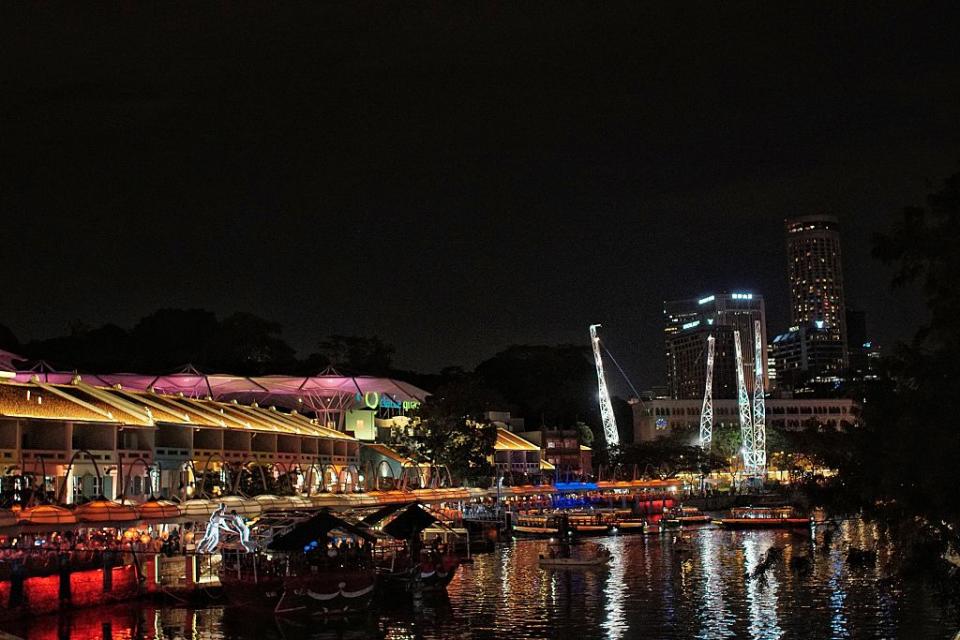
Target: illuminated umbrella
x=243 y=506
x=7 y=518
x=197 y=508
x=103 y=510
x=300 y=502
x=325 y=500
x=274 y=503
x=47 y=514
x=154 y=509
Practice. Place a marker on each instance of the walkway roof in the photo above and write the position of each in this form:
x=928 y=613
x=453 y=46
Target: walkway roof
x=82 y=402
x=321 y=393
x=507 y=441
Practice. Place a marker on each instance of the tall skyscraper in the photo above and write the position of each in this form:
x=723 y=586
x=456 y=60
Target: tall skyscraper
x=688 y=323
x=815 y=273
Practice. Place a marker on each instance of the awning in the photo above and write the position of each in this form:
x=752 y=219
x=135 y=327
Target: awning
x=316 y=528
x=409 y=523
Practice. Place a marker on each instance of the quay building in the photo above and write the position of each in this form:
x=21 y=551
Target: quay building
x=137 y=436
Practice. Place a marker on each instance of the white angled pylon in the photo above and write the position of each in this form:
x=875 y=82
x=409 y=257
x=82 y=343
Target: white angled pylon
x=759 y=409
x=606 y=409
x=743 y=403
x=706 y=413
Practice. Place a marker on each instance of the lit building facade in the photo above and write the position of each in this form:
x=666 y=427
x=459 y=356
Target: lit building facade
x=562 y=449
x=657 y=418
x=815 y=274
x=81 y=441
x=806 y=354
x=688 y=323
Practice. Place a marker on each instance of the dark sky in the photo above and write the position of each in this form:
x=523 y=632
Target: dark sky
x=457 y=177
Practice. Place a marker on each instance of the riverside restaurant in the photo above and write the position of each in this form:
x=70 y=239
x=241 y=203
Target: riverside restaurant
x=106 y=490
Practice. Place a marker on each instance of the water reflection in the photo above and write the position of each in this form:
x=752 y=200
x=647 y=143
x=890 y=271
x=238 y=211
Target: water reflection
x=761 y=590
x=615 y=622
x=649 y=591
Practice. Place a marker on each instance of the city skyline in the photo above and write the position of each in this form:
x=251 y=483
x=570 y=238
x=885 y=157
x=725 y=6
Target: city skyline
x=458 y=191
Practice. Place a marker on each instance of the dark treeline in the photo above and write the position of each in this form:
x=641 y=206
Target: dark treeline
x=552 y=386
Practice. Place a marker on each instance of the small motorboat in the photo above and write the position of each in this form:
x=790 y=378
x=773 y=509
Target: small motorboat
x=562 y=556
x=764 y=518
x=536 y=525
x=572 y=563
x=685 y=517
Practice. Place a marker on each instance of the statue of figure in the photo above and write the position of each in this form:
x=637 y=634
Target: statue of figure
x=232 y=523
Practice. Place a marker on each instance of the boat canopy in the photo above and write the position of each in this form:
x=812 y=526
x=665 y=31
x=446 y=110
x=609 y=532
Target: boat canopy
x=315 y=528
x=409 y=523
x=383 y=512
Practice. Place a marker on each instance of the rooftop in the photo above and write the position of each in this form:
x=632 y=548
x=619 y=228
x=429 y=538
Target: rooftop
x=78 y=401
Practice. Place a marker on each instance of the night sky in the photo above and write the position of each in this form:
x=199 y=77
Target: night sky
x=458 y=177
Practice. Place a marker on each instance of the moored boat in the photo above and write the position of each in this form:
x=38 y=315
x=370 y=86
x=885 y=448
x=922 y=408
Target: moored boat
x=536 y=525
x=580 y=556
x=686 y=517
x=419 y=552
x=764 y=518
x=588 y=523
x=296 y=563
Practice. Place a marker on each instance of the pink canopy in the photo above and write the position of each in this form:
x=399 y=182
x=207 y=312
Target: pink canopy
x=7 y=359
x=322 y=394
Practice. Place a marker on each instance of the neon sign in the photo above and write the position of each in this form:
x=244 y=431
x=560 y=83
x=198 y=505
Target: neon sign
x=374 y=400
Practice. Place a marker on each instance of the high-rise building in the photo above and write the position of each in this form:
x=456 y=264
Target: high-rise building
x=815 y=273
x=858 y=345
x=688 y=323
x=805 y=354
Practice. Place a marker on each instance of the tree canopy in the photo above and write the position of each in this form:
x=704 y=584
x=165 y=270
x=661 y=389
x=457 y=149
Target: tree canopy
x=906 y=454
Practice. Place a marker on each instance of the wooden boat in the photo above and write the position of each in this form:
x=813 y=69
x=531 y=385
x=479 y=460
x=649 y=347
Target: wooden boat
x=289 y=565
x=652 y=528
x=588 y=524
x=631 y=525
x=686 y=517
x=573 y=563
x=764 y=518
x=432 y=574
x=536 y=525
x=563 y=556
x=406 y=530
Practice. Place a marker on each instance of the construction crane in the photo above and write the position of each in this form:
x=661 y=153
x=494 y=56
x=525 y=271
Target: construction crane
x=606 y=409
x=706 y=413
x=759 y=409
x=743 y=403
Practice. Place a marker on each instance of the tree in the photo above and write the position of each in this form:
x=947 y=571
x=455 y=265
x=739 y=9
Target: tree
x=585 y=433
x=554 y=385
x=248 y=344
x=358 y=355
x=169 y=338
x=450 y=429
x=904 y=457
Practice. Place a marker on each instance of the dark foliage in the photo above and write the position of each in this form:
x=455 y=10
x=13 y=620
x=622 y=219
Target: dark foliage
x=903 y=461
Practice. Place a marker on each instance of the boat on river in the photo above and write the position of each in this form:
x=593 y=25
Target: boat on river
x=685 y=517
x=764 y=518
x=418 y=553
x=296 y=563
x=536 y=525
x=588 y=523
x=567 y=556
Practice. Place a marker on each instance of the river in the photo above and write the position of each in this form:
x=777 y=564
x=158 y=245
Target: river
x=650 y=590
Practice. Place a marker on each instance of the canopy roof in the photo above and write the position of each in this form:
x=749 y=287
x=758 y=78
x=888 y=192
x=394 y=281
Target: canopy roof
x=315 y=528
x=409 y=523
x=81 y=402
x=507 y=441
x=321 y=393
